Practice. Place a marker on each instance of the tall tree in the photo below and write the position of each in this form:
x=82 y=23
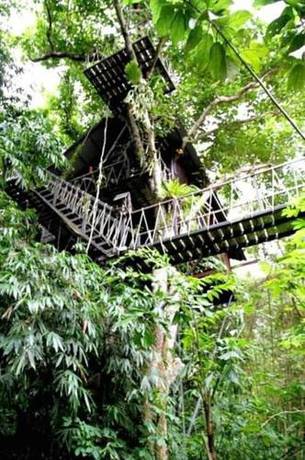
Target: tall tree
x=228 y=113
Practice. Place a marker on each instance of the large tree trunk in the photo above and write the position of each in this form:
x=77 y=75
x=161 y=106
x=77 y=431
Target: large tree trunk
x=210 y=443
x=163 y=365
x=158 y=368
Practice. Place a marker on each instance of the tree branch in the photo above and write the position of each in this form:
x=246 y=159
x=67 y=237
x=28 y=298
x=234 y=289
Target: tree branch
x=284 y=412
x=62 y=55
x=206 y=134
x=218 y=101
x=124 y=29
x=134 y=129
x=157 y=56
x=52 y=54
x=50 y=23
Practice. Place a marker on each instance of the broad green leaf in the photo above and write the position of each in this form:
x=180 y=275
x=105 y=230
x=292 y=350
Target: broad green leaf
x=194 y=38
x=255 y=54
x=201 y=55
x=238 y=19
x=217 y=61
x=278 y=24
x=178 y=27
x=166 y=16
x=133 y=72
x=296 y=77
x=297 y=42
x=217 y=6
x=156 y=7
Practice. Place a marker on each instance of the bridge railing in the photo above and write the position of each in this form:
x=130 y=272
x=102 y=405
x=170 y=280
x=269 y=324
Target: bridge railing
x=264 y=190
x=250 y=193
x=106 y=221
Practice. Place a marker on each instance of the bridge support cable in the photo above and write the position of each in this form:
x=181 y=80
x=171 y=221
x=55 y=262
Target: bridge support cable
x=237 y=213
x=260 y=82
x=252 y=72
x=98 y=183
x=234 y=213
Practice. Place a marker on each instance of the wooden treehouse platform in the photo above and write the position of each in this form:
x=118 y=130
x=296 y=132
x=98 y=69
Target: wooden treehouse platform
x=242 y=212
x=221 y=218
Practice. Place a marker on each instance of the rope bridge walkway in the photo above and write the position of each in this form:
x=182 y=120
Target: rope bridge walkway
x=243 y=211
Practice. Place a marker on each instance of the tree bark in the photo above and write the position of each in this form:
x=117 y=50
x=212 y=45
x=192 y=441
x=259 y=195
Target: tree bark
x=133 y=126
x=157 y=367
x=62 y=55
x=163 y=365
x=219 y=100
x=210 y=445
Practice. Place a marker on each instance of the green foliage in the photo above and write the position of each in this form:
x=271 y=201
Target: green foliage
x=255 y=54
x=133 y=72
x=273 y=419
x=296 y=80
x=282 y=21
x=194 y=38
x=15 y=224
x=207 y=63
x=72 y=332
x=217 y=64
x=288 y=27
x=66 y=338
x=28 y=146
x=64 y=109
x=76 y=340
x=175 y=189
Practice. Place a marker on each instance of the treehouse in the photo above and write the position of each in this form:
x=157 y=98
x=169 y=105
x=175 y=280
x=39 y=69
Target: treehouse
x=104 y=199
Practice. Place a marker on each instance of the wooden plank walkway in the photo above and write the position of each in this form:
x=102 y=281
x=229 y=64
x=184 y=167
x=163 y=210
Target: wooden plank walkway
x=240 y=212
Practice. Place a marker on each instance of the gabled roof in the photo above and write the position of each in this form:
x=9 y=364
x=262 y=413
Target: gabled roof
x=109 y=78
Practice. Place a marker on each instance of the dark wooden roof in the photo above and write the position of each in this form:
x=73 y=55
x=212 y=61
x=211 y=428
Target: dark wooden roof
x=86 y=152
x=109 y=78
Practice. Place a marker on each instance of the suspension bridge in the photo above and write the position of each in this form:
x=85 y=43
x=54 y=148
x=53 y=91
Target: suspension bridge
x=236 y=213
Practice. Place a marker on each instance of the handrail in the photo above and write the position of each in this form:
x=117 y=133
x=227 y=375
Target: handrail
x=78 y=190
x=263 y=190
x=230 y=201
x=216 y=186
